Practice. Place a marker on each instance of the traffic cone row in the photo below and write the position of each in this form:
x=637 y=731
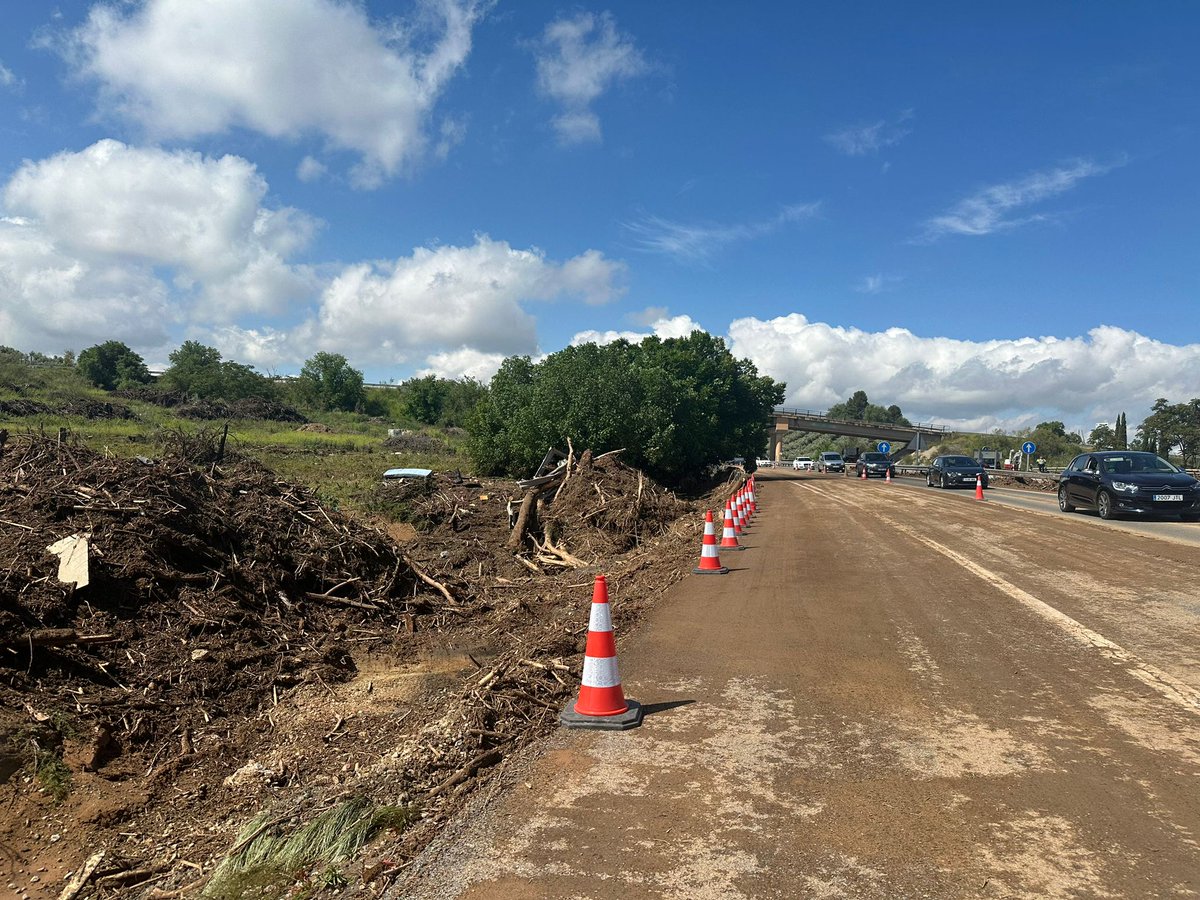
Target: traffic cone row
x=602 y=703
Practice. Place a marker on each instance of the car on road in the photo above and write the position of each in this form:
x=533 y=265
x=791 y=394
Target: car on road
x=874 y=463
x=763 y=464
x=831 y=462
x=955 y=471
x=803 y=463
x=1128 y=482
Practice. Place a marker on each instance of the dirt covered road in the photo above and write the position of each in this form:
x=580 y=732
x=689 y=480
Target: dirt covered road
x=897 y=692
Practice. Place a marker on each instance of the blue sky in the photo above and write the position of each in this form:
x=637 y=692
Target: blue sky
x=985 y=215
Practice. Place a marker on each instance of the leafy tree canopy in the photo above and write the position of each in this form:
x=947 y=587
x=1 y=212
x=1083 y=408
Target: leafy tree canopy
x=328 y=381
x=199 y=371
x=674 y=405
x=859 y=409
x=1102 y=437
x=112 y=365
x=1170 y=426
x=440 y=401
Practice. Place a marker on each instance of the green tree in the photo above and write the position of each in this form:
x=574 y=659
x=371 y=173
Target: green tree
x=674 y=405
x=328 y=381
x=1102 y=437
x=199 y=371
x=860 y=409
x=112 y=365
x=440 y=401
x=1173 y=425
x=1122 y=433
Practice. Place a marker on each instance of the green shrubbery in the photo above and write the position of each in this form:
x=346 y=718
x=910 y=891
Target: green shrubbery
x=676 y=406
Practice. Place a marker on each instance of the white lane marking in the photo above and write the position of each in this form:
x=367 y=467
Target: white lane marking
x=1163 y=683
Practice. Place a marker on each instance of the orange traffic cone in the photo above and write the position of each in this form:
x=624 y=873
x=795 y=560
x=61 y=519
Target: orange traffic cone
x=710 y=561
x=736 y=500
x=601 y=702
x=863 y=476
x=978 y=487
x=751 y=497
x=729 y=539
x=888 y=476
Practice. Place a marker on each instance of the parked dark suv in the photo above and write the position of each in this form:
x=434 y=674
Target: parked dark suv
x=875 y=464
x=1119 y=482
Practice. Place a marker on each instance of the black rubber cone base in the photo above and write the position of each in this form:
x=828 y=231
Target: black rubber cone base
x=720 y=571
x=631 y=718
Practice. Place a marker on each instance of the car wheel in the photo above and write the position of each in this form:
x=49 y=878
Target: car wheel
x=942 y=482
x=1104 y=505
x=928 y=480
x=1063 y=503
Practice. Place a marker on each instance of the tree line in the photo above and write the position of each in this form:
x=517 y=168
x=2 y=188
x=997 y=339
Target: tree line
x=675 y=406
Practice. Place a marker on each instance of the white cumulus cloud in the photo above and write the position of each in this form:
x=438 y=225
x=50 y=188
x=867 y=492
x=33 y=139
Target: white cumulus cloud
x=284 y=68
x=51 y=301
x=667 y=327
x=437 y=302
x=971 y=385
x=463 y=363
x=578 y=59
x=198 y=220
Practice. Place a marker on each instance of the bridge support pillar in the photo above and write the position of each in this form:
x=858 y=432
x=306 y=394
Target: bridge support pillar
x=776 y=454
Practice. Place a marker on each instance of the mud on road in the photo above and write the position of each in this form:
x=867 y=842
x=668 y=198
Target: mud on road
x=885 y=698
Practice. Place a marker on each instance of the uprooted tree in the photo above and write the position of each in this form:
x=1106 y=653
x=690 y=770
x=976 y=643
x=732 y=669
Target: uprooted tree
x=674 y=405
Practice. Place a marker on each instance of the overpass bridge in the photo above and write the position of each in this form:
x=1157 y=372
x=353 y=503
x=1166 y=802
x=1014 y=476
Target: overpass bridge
x=907 y=438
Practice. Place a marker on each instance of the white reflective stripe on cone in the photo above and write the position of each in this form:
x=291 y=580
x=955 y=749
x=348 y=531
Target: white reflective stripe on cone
x=600 y=672
x=601 y=618
x=709 y=550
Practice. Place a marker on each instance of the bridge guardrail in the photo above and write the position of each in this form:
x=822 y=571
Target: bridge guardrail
x=919 y=426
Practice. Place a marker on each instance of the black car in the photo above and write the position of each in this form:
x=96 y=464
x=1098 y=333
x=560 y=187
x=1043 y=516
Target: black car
x=874 y=464
x=955 y=471
x=1126 y=482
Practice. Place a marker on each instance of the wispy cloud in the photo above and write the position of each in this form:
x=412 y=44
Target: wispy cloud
x=863 y=140
x=697 y=243
x=7 y=78
x=1004 y=206
x=876 y=284
x=578 y=59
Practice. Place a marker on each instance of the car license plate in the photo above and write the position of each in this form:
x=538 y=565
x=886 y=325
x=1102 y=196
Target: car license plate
x=1159 y=497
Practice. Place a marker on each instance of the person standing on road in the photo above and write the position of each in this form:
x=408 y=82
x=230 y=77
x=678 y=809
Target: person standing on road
x=1041 y=463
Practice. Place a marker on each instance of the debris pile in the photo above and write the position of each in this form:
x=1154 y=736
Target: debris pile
x=210 y=588
x=233 y=631
x=602 y=507
x=82 y=409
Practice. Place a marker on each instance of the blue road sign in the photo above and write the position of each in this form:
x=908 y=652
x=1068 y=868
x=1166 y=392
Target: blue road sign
x=885 y=447
x=1029 y=447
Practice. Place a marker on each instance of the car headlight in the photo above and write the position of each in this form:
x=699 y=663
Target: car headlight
x=1125 y=487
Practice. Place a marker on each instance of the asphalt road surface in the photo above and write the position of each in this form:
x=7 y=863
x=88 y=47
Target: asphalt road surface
x=898 y=692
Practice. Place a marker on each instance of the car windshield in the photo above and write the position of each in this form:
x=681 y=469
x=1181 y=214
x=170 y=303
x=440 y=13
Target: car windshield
x=1136 y=462
x=831 y=456
x=958 y=462
x=874 y=457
